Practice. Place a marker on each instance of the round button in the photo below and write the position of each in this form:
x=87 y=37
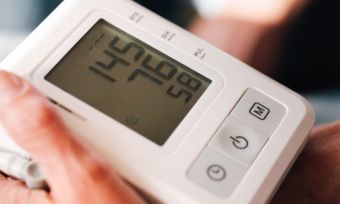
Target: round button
x=216 y=172
x=240 y=142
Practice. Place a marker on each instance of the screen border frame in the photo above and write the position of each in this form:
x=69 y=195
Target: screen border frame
x=128 y=135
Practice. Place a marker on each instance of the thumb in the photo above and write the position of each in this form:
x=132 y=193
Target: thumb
x=71 y=171
x=31 y=121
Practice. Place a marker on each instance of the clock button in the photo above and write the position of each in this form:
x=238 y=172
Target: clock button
x=216 y=173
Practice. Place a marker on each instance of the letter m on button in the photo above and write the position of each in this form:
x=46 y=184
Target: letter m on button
x=260 y=111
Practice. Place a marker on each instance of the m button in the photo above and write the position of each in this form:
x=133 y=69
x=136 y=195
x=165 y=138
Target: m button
x=260 y=111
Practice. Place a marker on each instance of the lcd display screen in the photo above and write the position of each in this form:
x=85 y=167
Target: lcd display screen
x=129 y=81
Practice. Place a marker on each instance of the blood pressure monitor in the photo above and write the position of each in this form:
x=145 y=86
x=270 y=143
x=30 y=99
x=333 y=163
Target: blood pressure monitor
x=176 y=117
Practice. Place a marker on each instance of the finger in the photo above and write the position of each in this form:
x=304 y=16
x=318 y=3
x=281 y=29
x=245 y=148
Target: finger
x=334 y=126
x=69 y=168
x=33 y=124
x=2 y=177
x=16 y=192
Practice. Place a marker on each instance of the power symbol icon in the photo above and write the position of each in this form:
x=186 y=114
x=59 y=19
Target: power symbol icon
x=240 y=142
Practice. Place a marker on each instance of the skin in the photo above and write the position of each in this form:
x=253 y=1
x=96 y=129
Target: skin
x=315 y=177
x=77 y=175
x=251 y=31
x=74 y=174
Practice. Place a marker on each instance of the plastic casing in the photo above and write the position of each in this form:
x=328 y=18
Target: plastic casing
x=161 y=171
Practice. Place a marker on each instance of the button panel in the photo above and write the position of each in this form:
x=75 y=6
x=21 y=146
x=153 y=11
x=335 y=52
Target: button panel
x=216 y=173
x=231 y=152
x=239 y=141
x=259 y=111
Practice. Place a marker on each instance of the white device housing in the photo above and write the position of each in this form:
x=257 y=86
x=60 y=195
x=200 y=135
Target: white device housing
x=162 y=171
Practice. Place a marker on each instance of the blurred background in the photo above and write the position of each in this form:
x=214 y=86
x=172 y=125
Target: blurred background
x=294 y=41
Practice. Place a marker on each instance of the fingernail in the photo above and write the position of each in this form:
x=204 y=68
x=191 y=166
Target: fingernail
x=10 y=86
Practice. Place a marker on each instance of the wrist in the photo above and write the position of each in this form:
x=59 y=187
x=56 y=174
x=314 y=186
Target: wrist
x=264 y=11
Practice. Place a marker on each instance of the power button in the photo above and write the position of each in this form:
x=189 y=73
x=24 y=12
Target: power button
x=239 y=141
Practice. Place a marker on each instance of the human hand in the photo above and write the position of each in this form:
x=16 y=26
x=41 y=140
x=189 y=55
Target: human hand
x=315 y=177
x=74 y=174
x=251 y=31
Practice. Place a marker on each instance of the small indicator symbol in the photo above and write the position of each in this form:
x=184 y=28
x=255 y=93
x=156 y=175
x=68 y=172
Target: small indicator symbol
x=132 y=120
x=216 y=172
x=240 y=142
x=260 y=111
